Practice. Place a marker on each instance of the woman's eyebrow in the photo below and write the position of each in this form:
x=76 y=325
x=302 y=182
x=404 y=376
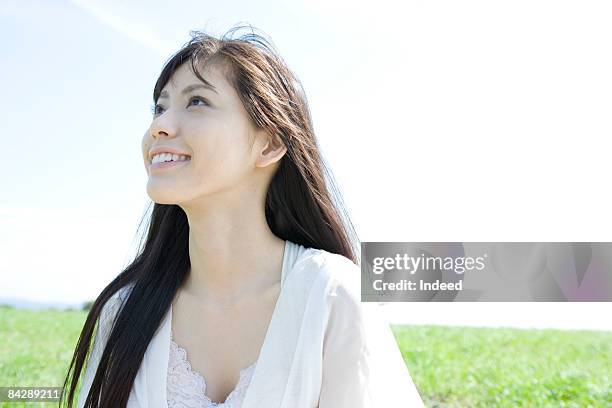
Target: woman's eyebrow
x=164 y=93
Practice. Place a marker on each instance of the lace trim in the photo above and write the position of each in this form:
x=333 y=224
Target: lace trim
x=187 y=387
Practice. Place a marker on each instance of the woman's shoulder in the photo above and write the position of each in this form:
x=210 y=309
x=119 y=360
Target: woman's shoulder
x=121 y=295
x=114 y=303
x=339 y=290
x=341 y=276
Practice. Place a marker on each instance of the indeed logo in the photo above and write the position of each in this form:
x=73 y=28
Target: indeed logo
x=411 y=263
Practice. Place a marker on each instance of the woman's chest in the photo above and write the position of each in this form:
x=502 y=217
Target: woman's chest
x=220 y=342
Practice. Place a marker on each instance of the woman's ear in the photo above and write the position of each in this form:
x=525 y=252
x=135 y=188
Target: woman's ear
x=272 y=151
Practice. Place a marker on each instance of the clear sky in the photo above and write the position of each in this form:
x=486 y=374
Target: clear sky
x=442 y=121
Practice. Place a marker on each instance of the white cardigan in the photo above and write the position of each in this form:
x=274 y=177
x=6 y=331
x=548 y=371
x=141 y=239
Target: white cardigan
x=323 y=348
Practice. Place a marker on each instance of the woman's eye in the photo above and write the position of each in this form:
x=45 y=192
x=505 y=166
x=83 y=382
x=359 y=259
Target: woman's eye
x=198 y=98
x=155 y=111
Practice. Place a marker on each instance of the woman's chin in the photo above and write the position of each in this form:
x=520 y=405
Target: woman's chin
x=162 y=195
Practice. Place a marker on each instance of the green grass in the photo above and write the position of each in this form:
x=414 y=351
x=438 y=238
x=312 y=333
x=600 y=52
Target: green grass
x=36 y=348
x=503 y=367
x=451 y=366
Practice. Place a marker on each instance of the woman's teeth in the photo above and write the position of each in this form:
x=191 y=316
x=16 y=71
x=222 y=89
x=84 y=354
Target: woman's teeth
x=163 y=157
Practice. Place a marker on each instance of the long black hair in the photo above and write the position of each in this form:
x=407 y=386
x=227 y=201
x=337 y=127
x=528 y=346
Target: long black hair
x=303 y=205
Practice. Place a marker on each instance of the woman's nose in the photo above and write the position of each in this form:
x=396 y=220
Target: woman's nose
x=163 y=127
x=159 y=133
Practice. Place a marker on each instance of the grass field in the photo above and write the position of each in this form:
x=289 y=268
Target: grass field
x=451 y=366
x=494 y=367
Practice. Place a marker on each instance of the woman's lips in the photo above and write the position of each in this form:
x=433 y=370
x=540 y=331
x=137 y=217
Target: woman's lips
x=167 y=165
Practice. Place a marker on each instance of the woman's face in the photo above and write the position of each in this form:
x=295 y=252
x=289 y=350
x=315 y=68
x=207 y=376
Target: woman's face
x=214 y=130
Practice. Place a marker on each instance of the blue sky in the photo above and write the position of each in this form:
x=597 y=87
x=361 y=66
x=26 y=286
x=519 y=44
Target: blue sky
x=442 y=121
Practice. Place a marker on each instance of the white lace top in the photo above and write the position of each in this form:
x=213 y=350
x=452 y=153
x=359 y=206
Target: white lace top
x=186 y=388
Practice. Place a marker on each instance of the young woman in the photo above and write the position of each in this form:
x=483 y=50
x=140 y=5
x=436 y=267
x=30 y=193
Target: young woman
x=247 y=288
